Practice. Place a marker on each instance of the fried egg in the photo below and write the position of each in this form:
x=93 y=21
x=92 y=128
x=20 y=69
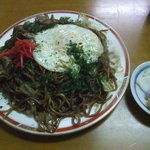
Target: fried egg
x=51 y=53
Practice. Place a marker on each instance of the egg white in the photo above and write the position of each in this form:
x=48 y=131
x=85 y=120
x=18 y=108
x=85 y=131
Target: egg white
x=52 y=50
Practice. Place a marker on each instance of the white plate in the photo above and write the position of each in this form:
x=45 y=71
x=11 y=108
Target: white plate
x=115 y=44
x=137 y=93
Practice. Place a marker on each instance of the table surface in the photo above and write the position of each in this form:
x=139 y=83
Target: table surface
x=127 y=127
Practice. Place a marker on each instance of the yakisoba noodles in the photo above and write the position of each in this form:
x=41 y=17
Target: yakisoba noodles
x=49 y=90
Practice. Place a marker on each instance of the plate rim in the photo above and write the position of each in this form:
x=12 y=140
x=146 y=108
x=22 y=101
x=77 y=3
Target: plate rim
x=114 y=102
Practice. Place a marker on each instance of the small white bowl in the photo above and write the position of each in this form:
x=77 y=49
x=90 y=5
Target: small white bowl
x=137 y=93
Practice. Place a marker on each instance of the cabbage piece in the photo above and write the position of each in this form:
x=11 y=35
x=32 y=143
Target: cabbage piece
x=108 y=84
